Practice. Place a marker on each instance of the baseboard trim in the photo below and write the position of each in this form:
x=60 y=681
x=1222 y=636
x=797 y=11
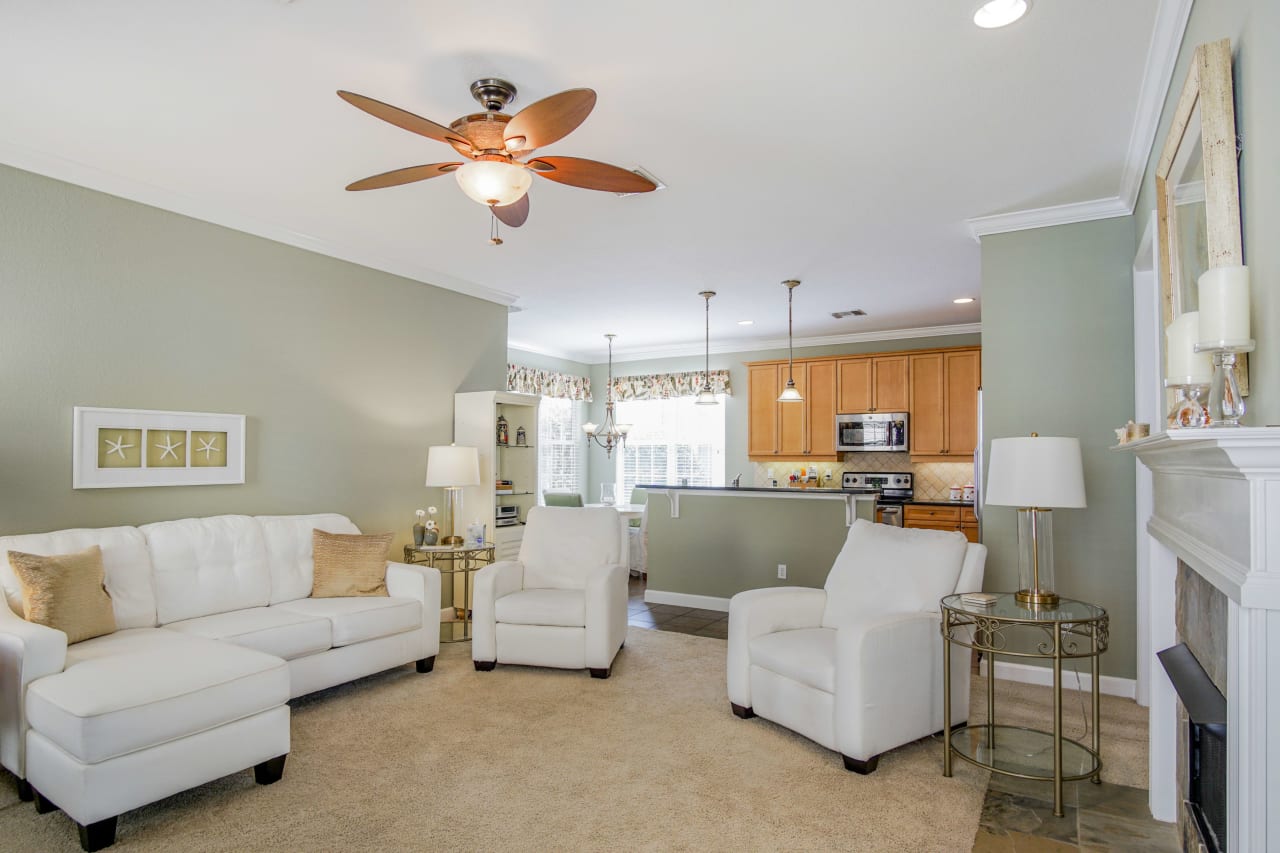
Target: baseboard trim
x=684 y=599
x=1112 y=685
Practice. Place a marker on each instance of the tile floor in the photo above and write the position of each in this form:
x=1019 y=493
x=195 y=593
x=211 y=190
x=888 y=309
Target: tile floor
x=1017 y=816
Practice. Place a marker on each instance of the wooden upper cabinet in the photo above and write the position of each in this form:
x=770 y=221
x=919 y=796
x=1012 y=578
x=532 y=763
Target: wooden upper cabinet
x=762 y=405
x=793 y=421
x=964 y=375
x=944 y=403
x=873 y=384
x=926 y=430
x=820 y=377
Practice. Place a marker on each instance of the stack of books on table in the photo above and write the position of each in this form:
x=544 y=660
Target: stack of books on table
x=503 y=487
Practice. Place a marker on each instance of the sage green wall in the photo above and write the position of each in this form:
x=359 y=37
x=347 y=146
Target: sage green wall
x=346 y=374
x=1057 y=359
x=547 y=362
x=1254 y=29
x=601 y=470
x=723 y=544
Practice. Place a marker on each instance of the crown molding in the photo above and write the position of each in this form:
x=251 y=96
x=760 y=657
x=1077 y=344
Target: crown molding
x=685 y=350
x=1162 y=57
x=1042 y=217
x=82 y=175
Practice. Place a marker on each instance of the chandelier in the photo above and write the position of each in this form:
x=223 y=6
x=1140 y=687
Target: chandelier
x=609 y=434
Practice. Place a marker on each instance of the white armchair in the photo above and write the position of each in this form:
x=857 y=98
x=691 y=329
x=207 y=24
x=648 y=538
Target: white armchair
x=856 y=666
x=563 y=603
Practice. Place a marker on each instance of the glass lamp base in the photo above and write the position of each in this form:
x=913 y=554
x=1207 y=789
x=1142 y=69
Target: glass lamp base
x=1035 y=558
x=1033 y=598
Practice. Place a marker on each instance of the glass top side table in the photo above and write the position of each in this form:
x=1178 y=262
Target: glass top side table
x=457 y=567
x=1073 y=630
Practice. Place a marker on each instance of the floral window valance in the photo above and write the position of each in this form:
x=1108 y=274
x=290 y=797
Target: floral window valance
x=658 y=386
x=547 y=383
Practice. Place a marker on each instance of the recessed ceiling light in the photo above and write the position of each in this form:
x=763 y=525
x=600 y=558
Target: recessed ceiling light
x=746 y=322
x=963 y=300
x=1000 y=13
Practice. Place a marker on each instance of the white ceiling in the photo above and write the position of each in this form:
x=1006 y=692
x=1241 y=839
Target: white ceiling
x=845 y=143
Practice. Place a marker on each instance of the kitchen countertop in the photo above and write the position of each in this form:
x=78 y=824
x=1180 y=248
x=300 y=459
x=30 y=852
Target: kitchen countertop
x=918 y=502
x=779 y=489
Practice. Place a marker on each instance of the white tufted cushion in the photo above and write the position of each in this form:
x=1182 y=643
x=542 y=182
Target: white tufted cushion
x=124 y=560
x=207 y=565
x=806 y=655
x=561 y=545
x=564 y=607
x=288 y=541
x=883 y=569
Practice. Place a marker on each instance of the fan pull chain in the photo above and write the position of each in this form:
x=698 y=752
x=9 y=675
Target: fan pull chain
x=494 y=239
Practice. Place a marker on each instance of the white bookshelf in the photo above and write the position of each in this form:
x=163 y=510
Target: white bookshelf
x=475 y=423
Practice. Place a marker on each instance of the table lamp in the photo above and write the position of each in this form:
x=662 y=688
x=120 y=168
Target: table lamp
x=1036 y=474
x=452 y=467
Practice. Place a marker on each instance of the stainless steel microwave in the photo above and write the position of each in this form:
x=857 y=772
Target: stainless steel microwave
x=886 y=431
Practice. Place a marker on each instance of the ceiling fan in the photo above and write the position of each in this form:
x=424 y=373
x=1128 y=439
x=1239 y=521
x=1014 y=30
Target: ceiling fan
x=498 y=168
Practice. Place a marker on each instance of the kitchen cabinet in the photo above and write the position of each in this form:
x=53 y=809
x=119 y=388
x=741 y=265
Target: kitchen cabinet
x=927 y=517
x=873 y=384
x=944 y=403
x=803 y=431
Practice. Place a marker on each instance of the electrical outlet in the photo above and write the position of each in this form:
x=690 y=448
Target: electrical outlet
x=782 y=571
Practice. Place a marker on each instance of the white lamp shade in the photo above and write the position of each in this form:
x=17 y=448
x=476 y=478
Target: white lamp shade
x=453 y=466
x=1036 y=471
x=493 y=182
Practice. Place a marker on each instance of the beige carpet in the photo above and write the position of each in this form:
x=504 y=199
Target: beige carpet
x=531 y=759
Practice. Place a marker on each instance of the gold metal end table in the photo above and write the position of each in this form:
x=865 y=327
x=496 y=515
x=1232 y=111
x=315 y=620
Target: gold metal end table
x=457 y=567
x=1071 y=631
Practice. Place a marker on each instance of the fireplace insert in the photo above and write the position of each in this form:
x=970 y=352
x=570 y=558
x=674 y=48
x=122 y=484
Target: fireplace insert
x=1206 y=800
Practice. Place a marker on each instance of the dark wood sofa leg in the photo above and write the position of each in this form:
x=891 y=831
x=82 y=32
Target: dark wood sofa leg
x=485 y=665
x=24 y=791
x=600 y=673
x=269 y=771
x=427 y=664
x=97 y=835
x=43 y=806
x=741 y=712
x=862 y=767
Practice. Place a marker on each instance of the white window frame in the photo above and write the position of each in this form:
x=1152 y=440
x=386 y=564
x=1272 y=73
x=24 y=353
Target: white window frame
x=560 y=437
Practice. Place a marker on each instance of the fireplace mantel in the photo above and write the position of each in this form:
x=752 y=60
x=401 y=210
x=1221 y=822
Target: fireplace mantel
x=1215 y=497
x=1217 y=506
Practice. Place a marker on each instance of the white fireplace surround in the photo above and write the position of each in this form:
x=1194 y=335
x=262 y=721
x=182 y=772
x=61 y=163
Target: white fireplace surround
x=1215 y=504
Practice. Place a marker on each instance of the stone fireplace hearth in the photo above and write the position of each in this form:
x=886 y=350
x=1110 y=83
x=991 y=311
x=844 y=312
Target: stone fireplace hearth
x=1216 y=509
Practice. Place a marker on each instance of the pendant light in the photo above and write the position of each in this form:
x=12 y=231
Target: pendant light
x=790 y=394
x=706 y=397
x=609 y=434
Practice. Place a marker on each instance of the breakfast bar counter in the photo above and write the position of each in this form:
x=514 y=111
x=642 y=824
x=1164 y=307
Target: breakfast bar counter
x=705 y=544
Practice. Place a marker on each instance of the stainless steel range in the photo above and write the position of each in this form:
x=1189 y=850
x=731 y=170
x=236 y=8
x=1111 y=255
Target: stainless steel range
x=891 y=490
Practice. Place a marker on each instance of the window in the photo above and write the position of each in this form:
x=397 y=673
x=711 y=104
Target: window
x=671 y=440
x=560 y=447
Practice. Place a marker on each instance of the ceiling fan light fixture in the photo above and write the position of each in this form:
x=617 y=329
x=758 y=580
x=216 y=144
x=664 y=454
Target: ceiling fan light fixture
x=493 y=182
x=1000 y=13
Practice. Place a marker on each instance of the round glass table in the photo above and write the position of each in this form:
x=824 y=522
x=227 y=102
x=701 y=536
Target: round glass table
x=1072 y=630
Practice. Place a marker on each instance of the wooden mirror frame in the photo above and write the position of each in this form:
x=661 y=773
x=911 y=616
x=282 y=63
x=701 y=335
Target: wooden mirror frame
x=1208 y=87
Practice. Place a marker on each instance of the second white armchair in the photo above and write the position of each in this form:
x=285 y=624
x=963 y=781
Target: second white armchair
x=563 y=603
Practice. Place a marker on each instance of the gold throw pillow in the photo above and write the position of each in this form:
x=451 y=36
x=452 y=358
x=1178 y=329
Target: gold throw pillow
x=66 y=592
x=349 y=564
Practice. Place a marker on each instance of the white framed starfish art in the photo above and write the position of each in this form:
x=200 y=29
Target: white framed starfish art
x=119 y=448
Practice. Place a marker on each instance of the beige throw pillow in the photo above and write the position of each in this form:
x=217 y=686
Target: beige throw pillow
x=349 y=564
x=66 y=592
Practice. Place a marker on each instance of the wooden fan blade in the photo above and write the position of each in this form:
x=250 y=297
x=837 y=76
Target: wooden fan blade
x=403 y=176
x=407 y=120
x=548 y=120
x=590 y=175
x=514 y=214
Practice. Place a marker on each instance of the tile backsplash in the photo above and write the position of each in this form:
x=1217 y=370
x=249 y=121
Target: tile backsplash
x=932 y=481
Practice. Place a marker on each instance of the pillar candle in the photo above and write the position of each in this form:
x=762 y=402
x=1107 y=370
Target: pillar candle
x=1185 y=365
x=1224 y=305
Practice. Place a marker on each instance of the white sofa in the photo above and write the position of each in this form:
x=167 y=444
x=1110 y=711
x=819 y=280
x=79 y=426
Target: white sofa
x=563 y=603
x=857 y=666
x=215 y=633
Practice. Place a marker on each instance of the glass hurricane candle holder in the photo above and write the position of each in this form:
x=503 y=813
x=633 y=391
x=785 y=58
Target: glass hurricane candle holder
x=1189 y=410
x=1226 y=406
